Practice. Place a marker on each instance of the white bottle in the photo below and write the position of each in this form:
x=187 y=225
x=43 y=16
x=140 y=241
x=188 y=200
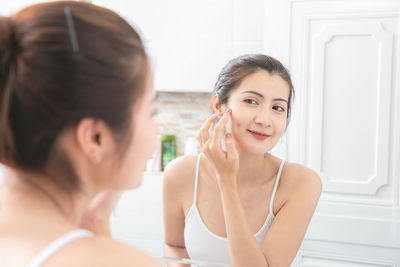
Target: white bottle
x=192 y=146
x=154 y=163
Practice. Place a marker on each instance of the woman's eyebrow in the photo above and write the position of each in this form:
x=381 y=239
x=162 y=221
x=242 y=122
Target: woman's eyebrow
x=260 y=95
x=280 y=99
x=253 y=92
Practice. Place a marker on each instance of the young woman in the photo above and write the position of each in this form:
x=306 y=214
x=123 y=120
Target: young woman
x=77 y=103
x=235 y=202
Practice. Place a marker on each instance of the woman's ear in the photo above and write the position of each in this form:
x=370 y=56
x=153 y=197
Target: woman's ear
x=92 y=138
x=217 y=106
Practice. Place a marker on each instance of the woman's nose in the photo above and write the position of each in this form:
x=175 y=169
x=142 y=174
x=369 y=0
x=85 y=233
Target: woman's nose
x=263 y=117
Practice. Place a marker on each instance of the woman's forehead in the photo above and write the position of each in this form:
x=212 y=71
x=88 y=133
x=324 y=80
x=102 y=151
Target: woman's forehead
x=263 y=84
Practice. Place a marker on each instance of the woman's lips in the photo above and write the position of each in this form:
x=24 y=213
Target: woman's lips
x=259 y=136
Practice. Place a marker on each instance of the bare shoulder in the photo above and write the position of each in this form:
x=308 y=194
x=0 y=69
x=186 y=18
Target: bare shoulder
x=297 y=178
x=180 y=172
x=100 y=252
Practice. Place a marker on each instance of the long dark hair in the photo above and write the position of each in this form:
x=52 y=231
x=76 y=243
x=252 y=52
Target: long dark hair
x=61 y=62
x=239 y=68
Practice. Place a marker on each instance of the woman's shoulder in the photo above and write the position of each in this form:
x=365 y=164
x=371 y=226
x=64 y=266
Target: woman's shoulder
x=178 y=180
x=296 y=176
x=101 y=251
x=181 y=171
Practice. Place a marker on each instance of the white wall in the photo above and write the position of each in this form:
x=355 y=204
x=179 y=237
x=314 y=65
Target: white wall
x=190 y=41
x=9 y=7
x=1 y=173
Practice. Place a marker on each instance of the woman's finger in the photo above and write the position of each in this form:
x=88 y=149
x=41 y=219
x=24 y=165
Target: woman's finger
x=204 y=134
x=206 y=146
x=200 y=139
x=210 y=120
x=219 y=132
x=230 y=146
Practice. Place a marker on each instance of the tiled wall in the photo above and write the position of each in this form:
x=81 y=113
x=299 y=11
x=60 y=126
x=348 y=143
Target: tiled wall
x=182 y=114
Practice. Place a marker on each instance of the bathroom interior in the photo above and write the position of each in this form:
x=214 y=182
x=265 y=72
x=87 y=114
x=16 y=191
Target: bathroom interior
x=344 y=59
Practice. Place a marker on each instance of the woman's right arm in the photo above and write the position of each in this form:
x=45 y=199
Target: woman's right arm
x=174 y=217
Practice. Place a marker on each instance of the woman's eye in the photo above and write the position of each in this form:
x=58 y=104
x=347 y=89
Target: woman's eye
x=250 y=101
x=279 y=108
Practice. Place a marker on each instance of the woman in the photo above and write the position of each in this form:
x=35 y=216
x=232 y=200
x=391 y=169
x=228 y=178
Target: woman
x=239 y=204
x=77 y=105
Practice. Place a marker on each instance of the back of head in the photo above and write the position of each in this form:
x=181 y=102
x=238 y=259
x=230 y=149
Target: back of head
x=59 y=63
x=7 y=55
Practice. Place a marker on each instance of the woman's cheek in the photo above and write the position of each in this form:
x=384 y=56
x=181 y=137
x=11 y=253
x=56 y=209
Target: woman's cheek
x=283 y=125
x=236 y=131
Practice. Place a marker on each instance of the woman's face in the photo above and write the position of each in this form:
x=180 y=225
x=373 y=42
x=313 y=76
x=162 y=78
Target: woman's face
x=144 y=139
x=259 y=111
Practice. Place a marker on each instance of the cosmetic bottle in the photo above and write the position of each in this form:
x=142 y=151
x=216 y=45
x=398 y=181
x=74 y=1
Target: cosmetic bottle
x=168 y=149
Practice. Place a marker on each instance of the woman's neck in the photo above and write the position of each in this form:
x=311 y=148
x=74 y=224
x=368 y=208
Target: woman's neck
x=255 y=168
x=23 y=193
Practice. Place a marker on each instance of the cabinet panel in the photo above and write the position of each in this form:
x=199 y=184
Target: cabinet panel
x=343 y=56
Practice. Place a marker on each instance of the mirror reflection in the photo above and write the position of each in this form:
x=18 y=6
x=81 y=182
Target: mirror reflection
x=200 y=133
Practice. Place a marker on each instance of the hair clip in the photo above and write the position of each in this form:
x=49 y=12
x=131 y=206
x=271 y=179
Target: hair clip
x=71 y=29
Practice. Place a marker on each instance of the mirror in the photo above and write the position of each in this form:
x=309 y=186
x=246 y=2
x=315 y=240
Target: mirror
x=344 y=62
x=342 y=58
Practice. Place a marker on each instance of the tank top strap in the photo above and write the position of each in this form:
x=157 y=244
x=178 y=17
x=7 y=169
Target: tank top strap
x=56 y=245
x=271 y=202
x=196 y=180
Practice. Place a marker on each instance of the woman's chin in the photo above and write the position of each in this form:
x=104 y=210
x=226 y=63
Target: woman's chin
x=136 y=182
x=253 y=149
x=131 y=183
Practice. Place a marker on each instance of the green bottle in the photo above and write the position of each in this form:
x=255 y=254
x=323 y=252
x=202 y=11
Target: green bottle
x=168 y=149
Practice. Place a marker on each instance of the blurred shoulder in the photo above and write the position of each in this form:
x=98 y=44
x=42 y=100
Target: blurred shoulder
x=100 y=251
x=128 y=255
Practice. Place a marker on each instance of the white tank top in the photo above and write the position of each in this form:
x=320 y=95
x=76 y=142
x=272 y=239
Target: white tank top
x=56 y=245
x=202 y=244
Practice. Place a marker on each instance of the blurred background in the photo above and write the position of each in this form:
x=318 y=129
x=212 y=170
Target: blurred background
x=344 y=60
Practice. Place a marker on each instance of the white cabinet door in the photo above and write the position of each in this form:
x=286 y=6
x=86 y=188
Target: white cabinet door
x=344 y=59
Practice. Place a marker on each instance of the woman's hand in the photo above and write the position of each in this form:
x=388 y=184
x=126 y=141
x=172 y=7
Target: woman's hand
x=224 y=162
x=96 y=217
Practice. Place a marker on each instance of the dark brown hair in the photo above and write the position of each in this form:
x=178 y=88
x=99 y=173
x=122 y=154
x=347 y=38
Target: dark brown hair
x=239 y=68
x=54 y=73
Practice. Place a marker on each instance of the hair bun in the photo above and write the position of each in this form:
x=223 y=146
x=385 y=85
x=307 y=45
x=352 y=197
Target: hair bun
x=7 y=48
x=7 y=55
